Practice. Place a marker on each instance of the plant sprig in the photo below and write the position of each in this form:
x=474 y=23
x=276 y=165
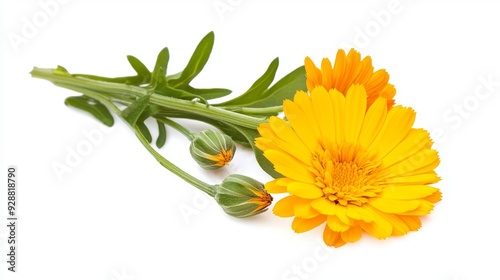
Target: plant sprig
x=154 y=94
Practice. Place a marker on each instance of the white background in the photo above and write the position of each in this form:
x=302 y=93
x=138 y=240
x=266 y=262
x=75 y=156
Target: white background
x=118 y=215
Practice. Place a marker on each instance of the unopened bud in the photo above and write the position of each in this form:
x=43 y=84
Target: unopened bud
x=241 y=196
x=211 y=149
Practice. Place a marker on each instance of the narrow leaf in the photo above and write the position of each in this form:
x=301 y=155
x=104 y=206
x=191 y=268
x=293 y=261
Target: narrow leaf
x=207 y=93
x=132 y=113
x=258 y=90
x=283 y=89
x=264 y=163
x=179 y=93
x=160 y=71
x=138 y=66
x=92 y=106
x=145 y=131
x=162 y=135
x=197 y=61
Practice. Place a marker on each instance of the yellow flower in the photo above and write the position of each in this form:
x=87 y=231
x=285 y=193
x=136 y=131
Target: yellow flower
x=350 y=69
x=355 y=169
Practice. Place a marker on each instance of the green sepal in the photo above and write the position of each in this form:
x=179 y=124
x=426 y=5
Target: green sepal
x=197 y=62
x=258 y=90
x=92 y=106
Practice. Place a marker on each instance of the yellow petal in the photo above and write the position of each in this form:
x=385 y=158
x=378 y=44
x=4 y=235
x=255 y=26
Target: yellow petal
x=424 y=208
x=338 y=71
x=289 y=166
x=300 y=225
x=332 y=238
x=335 y=224
x=338 y=107
x=288 y=141
x=324 y=206
x=419 y=163
x=284 y=207
x=420 y=179
x=396 y=126
x=379 y=228
x=322 y=108
x=303 y=190
x=303 y=101
x=303 y=209
x=313 y=74
x=413 y=222
x=416 y=140
x=399 y=227
x=394 y=205
x=300 y=124
x=407 y=192
x=435 y=197
x=341 y=212
x=373 y=122
x=355 y=112
x=274 y=187
x=327 y=73
x=359 y=213
x=353 y=234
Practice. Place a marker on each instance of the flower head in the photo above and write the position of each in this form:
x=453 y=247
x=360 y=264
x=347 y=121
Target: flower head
x=241 y=196
x=350 y=69
x=353 y=168
x=211 y=149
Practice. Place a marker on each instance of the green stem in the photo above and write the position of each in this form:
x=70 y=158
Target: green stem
x=123 y=92
x=207 y=188
x=177 y=127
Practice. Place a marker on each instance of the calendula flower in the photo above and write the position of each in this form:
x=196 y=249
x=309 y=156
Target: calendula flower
x=212 y=149
x=241 y=196
x=350 y=69
x=353 y=168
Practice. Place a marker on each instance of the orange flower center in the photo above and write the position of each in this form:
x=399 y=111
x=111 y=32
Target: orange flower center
x=344 y=181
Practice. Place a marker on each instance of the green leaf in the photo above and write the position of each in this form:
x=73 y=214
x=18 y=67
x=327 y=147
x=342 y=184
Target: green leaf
x=179 y=93
x=92 y=106
x=145 y=131
x=207 y=93
x=283 y=89
x=162 y=135
x=258 y=90
x=158 y=77
x=132 y=113
x=264 y=163
x=138 y=66
x=197 y=61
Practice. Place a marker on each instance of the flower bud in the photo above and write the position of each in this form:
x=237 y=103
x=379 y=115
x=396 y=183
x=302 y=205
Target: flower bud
x=211 y=149
x=241 y=196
